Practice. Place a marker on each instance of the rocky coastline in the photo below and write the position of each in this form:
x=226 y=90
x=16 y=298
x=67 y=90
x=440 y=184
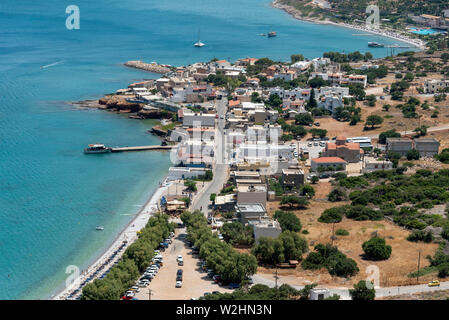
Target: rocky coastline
x=118 y=104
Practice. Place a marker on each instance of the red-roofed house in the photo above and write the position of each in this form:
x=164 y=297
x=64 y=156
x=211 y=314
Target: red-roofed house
x=327 y=162
x=348 y=151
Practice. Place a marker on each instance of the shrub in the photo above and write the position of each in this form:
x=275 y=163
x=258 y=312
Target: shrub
x=337 y=194
x=376 y=249
x=420 y=236
x=443 y=270
x=342 y=232
x=412 y=155
x=332 y=215
x=329 y=257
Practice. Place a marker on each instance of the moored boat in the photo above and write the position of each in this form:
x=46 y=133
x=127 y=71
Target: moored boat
x=97 y=148
x=375 y=44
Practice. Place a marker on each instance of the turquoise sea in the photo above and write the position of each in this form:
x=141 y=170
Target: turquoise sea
x=52 y=195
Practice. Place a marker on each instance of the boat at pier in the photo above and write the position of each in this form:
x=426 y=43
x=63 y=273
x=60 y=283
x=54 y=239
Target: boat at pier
x=376 y=45
x=97 y=148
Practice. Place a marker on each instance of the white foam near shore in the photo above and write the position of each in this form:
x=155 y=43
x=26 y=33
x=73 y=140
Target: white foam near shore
x=115 y=251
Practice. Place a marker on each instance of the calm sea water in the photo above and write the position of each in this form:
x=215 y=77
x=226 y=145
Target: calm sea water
x=52 y=195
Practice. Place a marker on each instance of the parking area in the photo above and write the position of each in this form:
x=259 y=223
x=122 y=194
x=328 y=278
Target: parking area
x=313 y=147
x=194 y=281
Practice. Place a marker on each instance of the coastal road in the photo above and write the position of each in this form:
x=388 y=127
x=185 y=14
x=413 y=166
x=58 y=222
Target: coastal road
x=220 y=167
x=344 y=293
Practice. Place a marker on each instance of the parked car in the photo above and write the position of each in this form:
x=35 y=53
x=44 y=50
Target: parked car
x=129 y=293
x=180 y=262
x=135 y=288
x=178 y=258
x=434 y=283
x=179 y=277
x=317 y=124
x=179 y=284
x=324 y=176
x=216 y=278
x=234 y=286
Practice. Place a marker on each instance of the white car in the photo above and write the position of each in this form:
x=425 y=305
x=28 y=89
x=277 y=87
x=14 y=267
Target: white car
x=178 y=284
x=179 y=258
x=135 y=288
x=129 y=293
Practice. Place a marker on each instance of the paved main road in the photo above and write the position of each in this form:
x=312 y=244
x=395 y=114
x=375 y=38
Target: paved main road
x=220 y=167
x=344 y=293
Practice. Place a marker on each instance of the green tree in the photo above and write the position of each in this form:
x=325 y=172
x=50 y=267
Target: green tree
x=288 y=220
x=292 y=200
x=373 y=120
x=376 y=249
x=362 y=291
x=412 y=154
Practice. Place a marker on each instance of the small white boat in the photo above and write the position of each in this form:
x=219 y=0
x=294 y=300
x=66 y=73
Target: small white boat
x=99 y=228
x=199 y=44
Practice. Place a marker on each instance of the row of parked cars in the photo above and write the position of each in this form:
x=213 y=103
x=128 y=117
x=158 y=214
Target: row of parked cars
x=156 y=263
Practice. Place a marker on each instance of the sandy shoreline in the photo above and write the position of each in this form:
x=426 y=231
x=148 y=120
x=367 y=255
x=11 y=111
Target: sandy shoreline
x=114 y=252
x=381 y=32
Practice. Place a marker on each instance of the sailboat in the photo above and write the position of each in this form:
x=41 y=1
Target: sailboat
x=199 y=44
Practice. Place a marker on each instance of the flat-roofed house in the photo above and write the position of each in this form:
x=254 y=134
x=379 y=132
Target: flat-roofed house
x=192 y=119
x=327 y=162
x=427 y=147
x=292 y=178
x=244 y=175
x=265 y=227
x=251 y=193
x=371 y=164
x=399 y=145
x=250 y=211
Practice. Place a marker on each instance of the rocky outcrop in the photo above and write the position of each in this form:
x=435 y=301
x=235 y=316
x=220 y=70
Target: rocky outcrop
x=120 y=104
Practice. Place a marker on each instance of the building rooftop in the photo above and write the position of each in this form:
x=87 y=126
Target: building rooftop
x=329 y=160
x=291 y=171
x=252 y=188
x=250 y=207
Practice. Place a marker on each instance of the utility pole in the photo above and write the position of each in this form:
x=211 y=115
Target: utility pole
x=276 y=277
x=419 y=260
x=150 y=292
x=276 y=282
x=332 y=237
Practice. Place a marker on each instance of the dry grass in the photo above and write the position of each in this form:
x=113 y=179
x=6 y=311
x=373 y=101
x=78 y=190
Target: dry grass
x=393 y=271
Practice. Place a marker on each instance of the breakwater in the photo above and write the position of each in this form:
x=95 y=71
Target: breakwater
x=151 y=67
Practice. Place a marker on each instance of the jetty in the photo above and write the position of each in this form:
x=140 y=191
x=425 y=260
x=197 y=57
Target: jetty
x=142 y=148
x=151 y=67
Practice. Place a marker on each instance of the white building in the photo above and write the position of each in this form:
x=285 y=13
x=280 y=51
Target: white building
x=265 y=227
x=192 y=119
x=435 y=86
x=178 y=173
